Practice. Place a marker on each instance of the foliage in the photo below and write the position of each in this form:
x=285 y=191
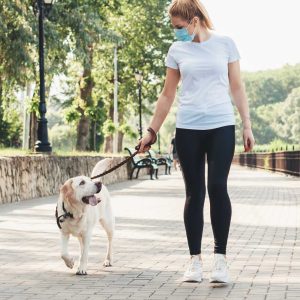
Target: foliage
x=271 y=86
x=63 y=137
x=274 y=104
x=16 y=41
x=288 y=117
x=109 y=127
x=146 y=38
x=128 y=131
x=80 y=38
x=11 y=128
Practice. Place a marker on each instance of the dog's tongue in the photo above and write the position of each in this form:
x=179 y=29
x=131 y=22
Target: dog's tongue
x=93 y=200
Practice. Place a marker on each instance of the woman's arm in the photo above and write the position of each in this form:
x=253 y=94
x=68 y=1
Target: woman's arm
x=240 y=99
x=163 y=105
x=166 y=98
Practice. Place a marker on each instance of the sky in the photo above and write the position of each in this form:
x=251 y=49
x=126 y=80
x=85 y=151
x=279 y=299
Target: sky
x=266 y=32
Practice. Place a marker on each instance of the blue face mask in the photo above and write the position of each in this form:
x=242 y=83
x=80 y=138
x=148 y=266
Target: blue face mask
x=182 y=34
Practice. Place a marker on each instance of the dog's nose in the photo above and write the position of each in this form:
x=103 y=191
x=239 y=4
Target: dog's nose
x=99 y=186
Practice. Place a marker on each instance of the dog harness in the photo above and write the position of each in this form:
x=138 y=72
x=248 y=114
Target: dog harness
x=64 y=216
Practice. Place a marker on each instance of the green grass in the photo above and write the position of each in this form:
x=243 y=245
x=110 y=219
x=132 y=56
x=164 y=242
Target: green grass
x=13 y=152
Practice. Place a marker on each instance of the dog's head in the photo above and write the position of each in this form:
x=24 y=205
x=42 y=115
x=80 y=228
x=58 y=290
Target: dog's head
x=80 y=189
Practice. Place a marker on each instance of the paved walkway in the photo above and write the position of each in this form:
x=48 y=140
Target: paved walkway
x=150 y=245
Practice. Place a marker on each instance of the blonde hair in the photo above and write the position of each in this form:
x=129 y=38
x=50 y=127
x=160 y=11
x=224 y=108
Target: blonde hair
x=188 y=9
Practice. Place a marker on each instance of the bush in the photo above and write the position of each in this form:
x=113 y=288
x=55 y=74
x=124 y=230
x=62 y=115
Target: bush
x=63 y=137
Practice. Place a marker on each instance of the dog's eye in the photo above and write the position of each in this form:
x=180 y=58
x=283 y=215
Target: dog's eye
x=82 y=182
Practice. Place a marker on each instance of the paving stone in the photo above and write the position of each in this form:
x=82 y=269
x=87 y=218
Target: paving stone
x=150 y=249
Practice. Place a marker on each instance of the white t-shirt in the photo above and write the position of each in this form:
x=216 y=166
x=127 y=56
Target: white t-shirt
x=204 y=101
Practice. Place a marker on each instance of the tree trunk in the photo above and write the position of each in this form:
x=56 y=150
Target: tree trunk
x=93 y=133
x=83 y=134
x=120 y=134
x=86 y=86
x=120 y=141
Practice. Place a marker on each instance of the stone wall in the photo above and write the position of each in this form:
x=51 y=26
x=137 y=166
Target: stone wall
x=27 y=177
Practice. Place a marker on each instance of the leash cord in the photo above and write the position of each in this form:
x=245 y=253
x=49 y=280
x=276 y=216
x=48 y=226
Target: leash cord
x=116 y=166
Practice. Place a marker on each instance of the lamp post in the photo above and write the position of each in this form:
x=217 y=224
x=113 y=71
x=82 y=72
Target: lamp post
x=42 y=8
x=139 y=78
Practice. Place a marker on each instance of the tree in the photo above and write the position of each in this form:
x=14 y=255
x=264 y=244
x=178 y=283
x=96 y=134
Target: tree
x=267 y=92
x=288 y=117
x=82 y=24
x=15 y=58
x=147 y=34
x=271 y=86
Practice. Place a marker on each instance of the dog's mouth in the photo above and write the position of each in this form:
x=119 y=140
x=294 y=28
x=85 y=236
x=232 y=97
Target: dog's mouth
x=92 y=200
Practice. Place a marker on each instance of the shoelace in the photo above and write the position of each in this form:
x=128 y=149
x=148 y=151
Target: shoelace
x=220 y=264
x=193 y=264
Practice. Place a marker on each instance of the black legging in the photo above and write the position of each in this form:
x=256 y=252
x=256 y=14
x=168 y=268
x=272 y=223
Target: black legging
x=218 y=144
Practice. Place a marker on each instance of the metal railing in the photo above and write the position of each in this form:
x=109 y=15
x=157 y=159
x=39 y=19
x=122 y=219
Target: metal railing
x=287 y=162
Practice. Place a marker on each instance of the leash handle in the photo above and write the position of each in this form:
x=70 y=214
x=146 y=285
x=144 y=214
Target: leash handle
x=147 y=145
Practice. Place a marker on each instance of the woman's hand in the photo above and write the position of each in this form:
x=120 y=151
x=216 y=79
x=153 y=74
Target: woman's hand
x=144 y=141
x=248 y=139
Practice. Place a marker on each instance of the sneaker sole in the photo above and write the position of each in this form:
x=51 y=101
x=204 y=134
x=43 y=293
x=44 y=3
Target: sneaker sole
x=219 y=280
x=184 y=279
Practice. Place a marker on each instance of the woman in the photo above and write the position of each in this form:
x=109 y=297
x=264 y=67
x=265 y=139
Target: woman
x=208 y=65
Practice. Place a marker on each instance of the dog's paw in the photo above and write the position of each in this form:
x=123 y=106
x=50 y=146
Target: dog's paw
x=69 y=261
x=81 y=272
x=107 y=263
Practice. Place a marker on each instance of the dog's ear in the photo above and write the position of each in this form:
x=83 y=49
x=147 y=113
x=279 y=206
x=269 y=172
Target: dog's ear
x=67 y=192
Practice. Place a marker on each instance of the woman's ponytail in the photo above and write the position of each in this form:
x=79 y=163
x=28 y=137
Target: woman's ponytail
x=187 y=9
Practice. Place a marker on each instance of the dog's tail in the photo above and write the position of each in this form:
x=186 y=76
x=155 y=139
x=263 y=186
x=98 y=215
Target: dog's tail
x=102 y=166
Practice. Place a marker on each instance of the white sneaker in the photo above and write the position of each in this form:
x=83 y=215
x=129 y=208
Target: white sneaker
x=194 y=270
x=219 y=272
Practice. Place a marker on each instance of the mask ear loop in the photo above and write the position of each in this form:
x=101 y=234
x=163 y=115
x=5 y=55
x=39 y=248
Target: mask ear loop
x=189 y=24
x=193 y=34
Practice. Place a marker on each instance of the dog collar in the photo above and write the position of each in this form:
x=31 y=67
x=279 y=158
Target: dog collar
x=64 y=216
